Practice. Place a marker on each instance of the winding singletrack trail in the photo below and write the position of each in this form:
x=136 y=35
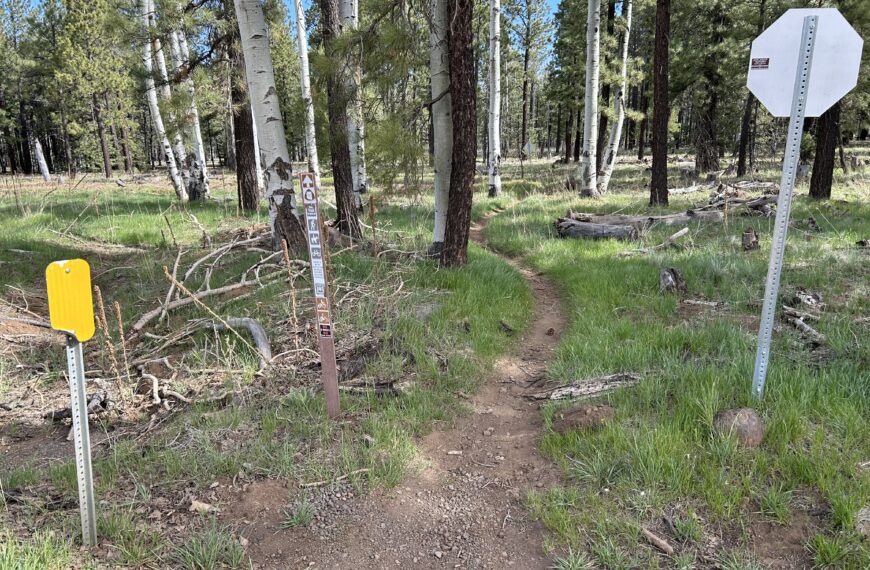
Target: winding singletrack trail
x=456 y=510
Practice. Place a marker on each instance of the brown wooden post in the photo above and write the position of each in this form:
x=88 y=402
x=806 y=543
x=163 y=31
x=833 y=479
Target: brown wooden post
x=320 y=286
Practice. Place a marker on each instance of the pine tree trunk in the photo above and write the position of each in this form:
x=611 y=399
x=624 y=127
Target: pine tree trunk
x=827 y=136
x=101 y=133
x=524 y=127
x=588 y=174
x=558 y=129
x=305 y=79
x=337 y=98
x=26 y=157
x=242 y=129
x=442 y=127
x=661 y=110
x=147 y=12
x=7 y=136
x=278 y=172
x=619 y=104
x=706 y=151
x=494 y=136
x=743 y=145
x=643 y=127
x=464 y=94
x=570 y=127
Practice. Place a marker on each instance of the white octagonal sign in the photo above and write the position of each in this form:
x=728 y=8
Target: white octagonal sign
x=774 y=59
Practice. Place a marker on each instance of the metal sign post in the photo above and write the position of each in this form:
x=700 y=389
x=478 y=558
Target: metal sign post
x=783 y=209
x=71 y=308
x=316 y=243
x=823 y=63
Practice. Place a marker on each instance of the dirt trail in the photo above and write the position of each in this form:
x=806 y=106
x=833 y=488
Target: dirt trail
x=457 y=510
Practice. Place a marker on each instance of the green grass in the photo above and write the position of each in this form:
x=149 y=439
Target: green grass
x=40 y=551
x=659 y=454
x=286 y=436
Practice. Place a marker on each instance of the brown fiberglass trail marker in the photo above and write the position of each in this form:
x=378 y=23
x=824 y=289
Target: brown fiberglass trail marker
x=316 y=243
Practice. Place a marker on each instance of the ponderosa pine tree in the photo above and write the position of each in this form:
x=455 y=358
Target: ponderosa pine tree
x=494 y=133
x=464 y=118
x=827 y=139
x=661 y=109
x=337 y=100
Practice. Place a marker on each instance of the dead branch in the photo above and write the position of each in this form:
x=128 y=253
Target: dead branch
x=172 y=285
x=588 y=387
x=336 y=480
x=657 y=541
x=812 y=334
x=566 y=228
x=254 y=327
x=669 y=241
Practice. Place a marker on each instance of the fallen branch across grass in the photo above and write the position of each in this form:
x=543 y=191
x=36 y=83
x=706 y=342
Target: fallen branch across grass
x=587 y=387
x=261 y=340
x=331 y=481
x=668 y=242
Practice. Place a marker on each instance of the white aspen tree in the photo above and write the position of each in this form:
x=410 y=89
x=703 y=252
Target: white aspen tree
x=181 y=59
x=261 y=182
x=145 y=7
x=588 y=172
x=609 y=160
x=348 y=13
x=310 y=132
x=278 y=171
x=494 y=166
x=166 y=92
x=40 y=160
x=442 y=123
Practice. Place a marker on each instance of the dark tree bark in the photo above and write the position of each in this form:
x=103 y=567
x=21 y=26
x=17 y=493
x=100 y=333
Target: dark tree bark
x=101 y=132
x=26 y=157
x=569 y=134
x=706 y=151
x=247 y=189
x=658 y=189
x=337 y=100
x=746 y=122
x=463 y=93
x=8 y=137
x=578 y=137
x=524 y=129
x=558 y=129
x=643 y=127
x=827 y=137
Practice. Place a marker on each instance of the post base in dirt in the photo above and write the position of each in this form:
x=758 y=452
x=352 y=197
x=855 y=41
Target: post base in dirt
x=82 y=440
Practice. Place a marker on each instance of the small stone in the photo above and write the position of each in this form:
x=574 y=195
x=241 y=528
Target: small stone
x=743 y=423
x=438 y=554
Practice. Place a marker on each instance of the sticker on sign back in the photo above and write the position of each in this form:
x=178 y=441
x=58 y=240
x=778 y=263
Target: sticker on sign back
x=760 y=63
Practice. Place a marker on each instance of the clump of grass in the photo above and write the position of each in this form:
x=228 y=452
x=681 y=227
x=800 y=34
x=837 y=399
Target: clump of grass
x=688 y=529
x=573 y=560
x=212 y=548
x=775 y=503
x=828 y=551
x=40 y=552
x=300 y=515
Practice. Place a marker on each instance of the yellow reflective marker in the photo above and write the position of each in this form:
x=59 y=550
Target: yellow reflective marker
x=70 y=301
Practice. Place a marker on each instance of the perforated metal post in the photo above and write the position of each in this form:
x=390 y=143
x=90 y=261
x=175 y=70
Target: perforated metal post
x=780 y=230
x=82 y=440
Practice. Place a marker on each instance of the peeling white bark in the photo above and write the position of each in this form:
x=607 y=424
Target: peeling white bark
x=494 y=162
x=181 y=59
x=310 y=131
x=610 y=154
x=40 y=159
x=442 y=124
x=278 y=172
x=146 y=10
x=348 y=12
x=588 y=173
x=166 y=92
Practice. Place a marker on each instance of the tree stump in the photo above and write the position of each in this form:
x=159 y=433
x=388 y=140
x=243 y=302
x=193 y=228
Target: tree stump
x=750 y=239
x=671 y=280
x=287 y=224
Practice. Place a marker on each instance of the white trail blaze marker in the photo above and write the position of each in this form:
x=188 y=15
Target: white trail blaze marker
x=817 y=53
x=71 y=308
x=316 y=243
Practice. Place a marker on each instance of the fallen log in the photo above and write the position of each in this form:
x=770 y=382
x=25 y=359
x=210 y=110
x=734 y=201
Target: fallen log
x=669 y=241
x=567 y=228
x=587 y=387
x=643 y=222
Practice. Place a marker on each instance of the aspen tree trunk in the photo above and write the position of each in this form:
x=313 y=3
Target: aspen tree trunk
x=40 y=160
x=609 y=160
x=181 y=60
x=588 y=175
x=166 y=92
x=494 y=136
x=464 y=117
x=278 y=173
x=310 y=132
x=658 y=190
x=348 y=13
x=156 y=118
x=442 y=126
